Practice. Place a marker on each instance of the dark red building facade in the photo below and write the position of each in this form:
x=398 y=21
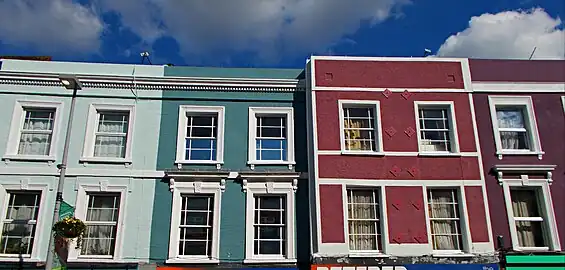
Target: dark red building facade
x=520 y=108
x=395 y=163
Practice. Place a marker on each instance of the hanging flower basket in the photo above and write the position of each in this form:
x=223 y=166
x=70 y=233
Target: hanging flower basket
x=70 y=228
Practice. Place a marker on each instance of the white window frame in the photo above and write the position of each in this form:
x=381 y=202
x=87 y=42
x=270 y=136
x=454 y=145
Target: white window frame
x=563 y=103
x=39 y=226
x=81 y=208
x=181 y=134
x=453 y=135
x=287 y=112
x=530 y=121
x=383 y=223
x=92 y=126
x=466 y=241
x=179 y=188
x=551 y=233
x=16 y=126
x=378 y=127
x=286 y=188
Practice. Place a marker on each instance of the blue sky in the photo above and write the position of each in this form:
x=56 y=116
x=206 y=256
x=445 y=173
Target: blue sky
x=278 y=33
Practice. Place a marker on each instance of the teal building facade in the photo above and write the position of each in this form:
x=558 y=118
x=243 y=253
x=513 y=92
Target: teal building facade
x=232 y=147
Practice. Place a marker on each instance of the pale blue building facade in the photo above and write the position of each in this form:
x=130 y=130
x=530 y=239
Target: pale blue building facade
x=112 y=160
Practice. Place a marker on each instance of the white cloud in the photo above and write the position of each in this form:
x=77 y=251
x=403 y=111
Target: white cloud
x=268 y=28
x=50 y=26
x=509 y=34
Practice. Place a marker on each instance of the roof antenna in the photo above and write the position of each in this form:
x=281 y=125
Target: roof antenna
x=532 y=55
x=145 y=55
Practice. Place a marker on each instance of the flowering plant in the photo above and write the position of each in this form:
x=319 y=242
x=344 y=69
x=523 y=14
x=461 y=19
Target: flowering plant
x=70 y=228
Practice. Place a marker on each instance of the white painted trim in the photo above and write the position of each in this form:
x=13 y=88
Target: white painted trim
x=281 y=188
x=563 y=103
x=387 y=59
x=378 y=126
x=400 y=154
x=211 y=188
x=551 y=233
x=17 y=123
x=181 y=133
x=394 y=90
x=52 y=171
x=513 y=87
x=92 y=126
x=452 y=121
x=399 y=182
x=42 y=216
x=287 y=112
x=530 y=118
x=316 y=172
x=481 y=171
x=81 y=207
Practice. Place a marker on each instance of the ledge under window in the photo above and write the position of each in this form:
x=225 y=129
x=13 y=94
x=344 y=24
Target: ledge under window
x=192 y=261
x=439 y=154
x=375 y=254
x=105 y=160
x=218 y=164
x=451 y=254
x=8 y=258
x=362 y=153
x=269 y=260
x=502 y=153
x=29 y=158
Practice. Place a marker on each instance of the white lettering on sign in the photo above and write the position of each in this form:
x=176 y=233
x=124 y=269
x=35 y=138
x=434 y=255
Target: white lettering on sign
x=364 y=268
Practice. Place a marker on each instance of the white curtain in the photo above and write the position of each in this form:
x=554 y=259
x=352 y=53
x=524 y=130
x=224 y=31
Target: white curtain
x=444 y=224
x=363 y=222
x=101 y=221
x=36 y=134
x=524 y=204
x=111 y=136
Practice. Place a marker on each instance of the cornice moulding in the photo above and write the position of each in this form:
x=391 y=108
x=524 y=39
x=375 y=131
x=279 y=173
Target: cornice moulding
x=157 y=83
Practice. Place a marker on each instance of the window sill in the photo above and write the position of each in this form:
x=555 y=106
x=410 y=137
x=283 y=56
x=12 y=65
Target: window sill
x=16 y=258
x=501 y=153
x=269 y=260
x=105 y=160
x=192 y=261
x=362 y=153
x=438 y=154
x=213 y=162
x=451 y=254
x=99 y=259
x=527 y=249
x=270 y=162
x=29 y=158
x=368 y=254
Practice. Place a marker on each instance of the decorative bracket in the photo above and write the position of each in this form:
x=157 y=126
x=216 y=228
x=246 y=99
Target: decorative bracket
x=179 y=166
x=24 y=184
x=218 y=166
x=223 y=185
x=103 y=185
x=270 y=187
x=171 y=184
x=197 y=187
x=244 y=185
x=294 y=185
x=252 y=166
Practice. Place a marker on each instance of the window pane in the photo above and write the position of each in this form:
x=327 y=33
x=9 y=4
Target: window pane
x=101 y=224
x=363 y=219
x=39 y=119
x=201 y=137
x=435 y=129
x=515 y=140
x=270 y=225
x=110 y=146
x=443 y=208
x=510 y=118
x=196 y=225
x=18 y=228
x=359 y=129
x=525 y=205
x=271 y=142
x=113 y=121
